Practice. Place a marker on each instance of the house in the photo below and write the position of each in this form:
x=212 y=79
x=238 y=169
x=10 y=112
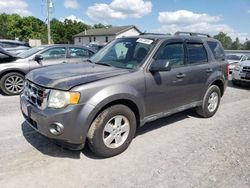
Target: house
x=105 y=35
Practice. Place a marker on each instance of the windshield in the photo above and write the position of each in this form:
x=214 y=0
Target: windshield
x=30 y=52
x=127 y=53
x=234 y=57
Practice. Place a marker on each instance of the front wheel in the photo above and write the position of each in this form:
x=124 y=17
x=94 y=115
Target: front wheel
x=12 y=83
x=210 y=103
x=112 y=131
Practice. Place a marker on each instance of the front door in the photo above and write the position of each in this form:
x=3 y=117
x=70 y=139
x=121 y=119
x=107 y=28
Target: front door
x=169 y=89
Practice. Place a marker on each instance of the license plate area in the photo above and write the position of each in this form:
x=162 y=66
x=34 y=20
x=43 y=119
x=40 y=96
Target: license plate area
x=248 y=75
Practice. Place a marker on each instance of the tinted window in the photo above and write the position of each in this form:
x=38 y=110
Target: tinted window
x=196 y=54
x=54 y=53
x=174 y=53
x=217 y=50
x=78 y=53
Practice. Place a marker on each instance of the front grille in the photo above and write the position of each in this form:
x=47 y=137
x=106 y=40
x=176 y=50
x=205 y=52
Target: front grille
x=246 y=69
x=35 y=94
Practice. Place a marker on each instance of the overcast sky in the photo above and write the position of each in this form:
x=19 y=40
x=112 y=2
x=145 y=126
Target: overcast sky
x=209 y=16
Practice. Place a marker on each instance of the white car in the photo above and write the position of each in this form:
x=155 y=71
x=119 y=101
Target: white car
x=234 y=59
x=241 y=73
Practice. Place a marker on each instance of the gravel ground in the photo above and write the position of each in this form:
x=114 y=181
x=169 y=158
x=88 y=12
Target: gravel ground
x=182 y=150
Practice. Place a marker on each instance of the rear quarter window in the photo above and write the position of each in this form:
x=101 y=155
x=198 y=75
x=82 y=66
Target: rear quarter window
x=216 y=49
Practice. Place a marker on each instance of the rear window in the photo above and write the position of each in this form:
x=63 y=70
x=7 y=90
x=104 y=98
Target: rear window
x=197 y=53
x=216 y=49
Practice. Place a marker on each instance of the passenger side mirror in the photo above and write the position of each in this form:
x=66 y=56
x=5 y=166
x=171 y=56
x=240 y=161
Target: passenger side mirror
x=38 y=58
x=160 y=66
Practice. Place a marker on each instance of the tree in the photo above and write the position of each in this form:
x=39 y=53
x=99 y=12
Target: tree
x=236 y=44
x=247 y=45
x=225 y=40
x=99 y=25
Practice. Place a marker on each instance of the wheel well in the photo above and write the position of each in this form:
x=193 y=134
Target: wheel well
x=130 y=104
x=220 y=84
x=9 y=71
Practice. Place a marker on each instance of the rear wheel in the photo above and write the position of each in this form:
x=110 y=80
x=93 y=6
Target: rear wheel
x=112 y=131
x=12 y=83
x=210 y=103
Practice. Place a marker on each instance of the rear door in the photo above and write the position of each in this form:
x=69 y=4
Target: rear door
x=77 y=54
x=199 y=69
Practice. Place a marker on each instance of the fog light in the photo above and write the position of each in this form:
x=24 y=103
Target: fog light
x=56 y=129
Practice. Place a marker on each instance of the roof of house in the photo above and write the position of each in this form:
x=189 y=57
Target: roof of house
x=106 y=31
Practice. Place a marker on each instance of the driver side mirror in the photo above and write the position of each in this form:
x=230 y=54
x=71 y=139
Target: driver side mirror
x=38 y=58
x=160 y=66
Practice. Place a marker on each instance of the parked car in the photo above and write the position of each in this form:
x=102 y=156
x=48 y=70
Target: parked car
x=13 y=46
x=233 y=59
x=13 y=68
x=241 y=73
x=131 y=81
x=96 y=46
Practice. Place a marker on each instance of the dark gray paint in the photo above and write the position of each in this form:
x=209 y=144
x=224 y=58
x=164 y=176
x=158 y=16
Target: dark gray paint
x=155 y=94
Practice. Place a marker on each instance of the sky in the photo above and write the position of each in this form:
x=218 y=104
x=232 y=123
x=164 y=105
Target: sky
x=163 y=16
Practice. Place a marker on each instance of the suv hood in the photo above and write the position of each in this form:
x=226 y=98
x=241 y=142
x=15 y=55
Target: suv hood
x=66 y=76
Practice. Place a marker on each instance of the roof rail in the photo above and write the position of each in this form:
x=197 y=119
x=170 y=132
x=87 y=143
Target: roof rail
x=153 y=34
x=193 y=34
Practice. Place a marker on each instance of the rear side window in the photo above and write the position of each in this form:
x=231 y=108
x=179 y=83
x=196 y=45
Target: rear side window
x=197 y=53
x=216 y=49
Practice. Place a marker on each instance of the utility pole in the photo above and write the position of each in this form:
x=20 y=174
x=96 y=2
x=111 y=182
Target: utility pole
x=49 y=6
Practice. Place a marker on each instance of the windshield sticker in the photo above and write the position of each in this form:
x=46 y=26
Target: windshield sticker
x=144 y=41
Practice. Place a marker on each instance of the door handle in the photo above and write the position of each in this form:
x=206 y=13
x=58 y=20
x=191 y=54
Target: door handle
x=64 y=62
x=209 y=70
x=180 y=75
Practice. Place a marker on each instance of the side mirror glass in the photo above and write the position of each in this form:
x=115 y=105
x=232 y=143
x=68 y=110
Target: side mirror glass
x=160 y=66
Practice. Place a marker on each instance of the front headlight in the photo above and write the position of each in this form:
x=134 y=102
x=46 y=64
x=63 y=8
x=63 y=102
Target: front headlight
x=60 y=99
x=237 y=67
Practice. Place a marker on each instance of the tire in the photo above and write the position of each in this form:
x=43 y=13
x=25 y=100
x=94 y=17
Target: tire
x=210 y=103
x=104 y=138
x=12 y=83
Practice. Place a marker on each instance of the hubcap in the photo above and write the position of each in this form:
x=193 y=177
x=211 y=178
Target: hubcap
x=116 y=131
x=14 y=84
x=213 y=102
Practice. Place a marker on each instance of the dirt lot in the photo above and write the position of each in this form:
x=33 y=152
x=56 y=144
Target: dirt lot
x=182 y=150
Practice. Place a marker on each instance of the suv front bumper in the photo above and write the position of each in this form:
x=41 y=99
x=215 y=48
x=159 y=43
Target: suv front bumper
x=74 y=119
x=241 y=77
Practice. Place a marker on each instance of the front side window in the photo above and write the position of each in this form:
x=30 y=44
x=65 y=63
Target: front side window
x=78 y=53
x=126 y=53
x=54 y=53
x=196 y=53
x=4 y=58
x=172 y=53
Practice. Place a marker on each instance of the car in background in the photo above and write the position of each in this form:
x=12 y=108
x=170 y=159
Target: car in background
x=13 y=46
x=233 y=59
x=96 y=46
x=241 y=73
x=13 y=68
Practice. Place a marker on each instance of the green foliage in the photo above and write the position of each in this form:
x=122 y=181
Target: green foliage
x=236 y=44
x=99 y=25
x=247 y=45
x=225 y=40
x=24 y=28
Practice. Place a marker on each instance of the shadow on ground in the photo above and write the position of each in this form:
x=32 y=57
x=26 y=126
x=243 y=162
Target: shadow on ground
x=244 y=86
x=48 y=146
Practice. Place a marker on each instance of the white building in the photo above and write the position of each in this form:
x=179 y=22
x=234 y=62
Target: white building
x=104 y=35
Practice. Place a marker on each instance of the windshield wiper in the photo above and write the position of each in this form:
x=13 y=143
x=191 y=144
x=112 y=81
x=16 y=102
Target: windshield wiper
x=89 y=60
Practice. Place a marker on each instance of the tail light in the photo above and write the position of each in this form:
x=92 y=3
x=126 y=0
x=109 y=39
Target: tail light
x=227 y=71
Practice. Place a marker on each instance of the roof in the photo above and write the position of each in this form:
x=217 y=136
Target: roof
x=107 y=31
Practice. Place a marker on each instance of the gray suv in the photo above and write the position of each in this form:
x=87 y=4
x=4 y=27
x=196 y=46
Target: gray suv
x=128 y=83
